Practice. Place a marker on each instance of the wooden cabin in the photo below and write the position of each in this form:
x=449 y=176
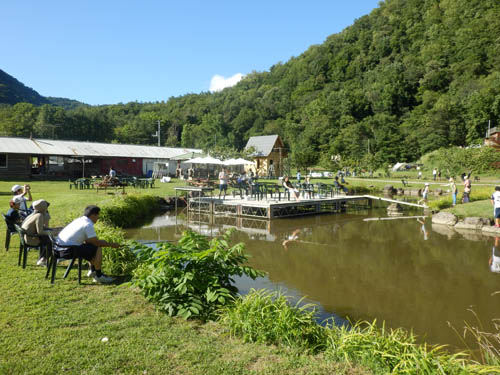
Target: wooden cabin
x=269 y=156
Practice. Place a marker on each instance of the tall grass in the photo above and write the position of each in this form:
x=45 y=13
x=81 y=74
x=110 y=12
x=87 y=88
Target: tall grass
x=488 y=343
x=267 y=317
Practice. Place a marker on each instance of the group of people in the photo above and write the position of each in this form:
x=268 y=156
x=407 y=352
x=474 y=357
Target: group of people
x=76 y=239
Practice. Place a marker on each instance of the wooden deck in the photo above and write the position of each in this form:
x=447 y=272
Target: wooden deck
x=269 y=207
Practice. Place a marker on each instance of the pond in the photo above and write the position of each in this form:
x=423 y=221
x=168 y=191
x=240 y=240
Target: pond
x=407 y=273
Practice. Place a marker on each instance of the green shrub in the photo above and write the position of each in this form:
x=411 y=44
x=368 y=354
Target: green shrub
x=446 y=202
x=117 y=262
x=193 y=278
x=267 y=317
x=130 y=210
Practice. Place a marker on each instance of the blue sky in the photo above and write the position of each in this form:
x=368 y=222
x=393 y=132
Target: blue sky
x=108 y=51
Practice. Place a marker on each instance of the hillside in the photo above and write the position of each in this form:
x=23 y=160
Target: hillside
x=12 y=91
x=409 y=78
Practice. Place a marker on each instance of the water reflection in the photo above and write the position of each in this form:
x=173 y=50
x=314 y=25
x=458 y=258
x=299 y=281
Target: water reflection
x=494 y=261
x=408 y=274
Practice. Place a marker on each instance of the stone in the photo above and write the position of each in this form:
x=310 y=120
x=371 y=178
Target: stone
x=477 y=221
x=445 y=218
x=491 y=230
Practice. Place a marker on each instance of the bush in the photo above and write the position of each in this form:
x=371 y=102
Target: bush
x=130 y=210
x=456 y=160
x=266 y=317
x=193 y=278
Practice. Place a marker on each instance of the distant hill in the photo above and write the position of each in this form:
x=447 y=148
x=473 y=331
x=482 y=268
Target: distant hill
x=12 y=91
x=64 y=102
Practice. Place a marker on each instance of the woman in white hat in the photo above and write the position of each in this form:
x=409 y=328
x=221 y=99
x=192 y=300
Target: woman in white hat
x=425 y=194
x=24 y=192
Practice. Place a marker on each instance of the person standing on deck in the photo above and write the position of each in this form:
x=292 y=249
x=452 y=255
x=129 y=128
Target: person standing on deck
x=222 y=182
x=495 y=201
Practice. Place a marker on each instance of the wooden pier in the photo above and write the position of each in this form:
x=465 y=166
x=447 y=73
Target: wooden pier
x=271 y=208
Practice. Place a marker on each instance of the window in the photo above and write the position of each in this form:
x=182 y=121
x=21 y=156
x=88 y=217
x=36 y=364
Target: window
x=3 y=160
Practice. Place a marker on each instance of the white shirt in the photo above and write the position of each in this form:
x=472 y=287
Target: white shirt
x=222 y=178
x=77 y=232
x=496 y=198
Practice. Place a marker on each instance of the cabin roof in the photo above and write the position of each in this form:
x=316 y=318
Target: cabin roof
x=34 y=146
x=263 y=144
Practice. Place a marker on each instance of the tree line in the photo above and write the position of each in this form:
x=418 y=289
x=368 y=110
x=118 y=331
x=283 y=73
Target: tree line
x=411 y=77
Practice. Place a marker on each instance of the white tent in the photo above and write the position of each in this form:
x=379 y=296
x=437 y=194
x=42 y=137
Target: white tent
x=204 y=160
x=238 y=161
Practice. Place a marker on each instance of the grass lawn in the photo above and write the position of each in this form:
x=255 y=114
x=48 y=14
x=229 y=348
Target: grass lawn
x=56 y=329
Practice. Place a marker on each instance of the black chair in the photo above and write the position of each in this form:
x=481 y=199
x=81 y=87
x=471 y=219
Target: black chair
x=24 y=247
x=54 y=258
x=9 y=231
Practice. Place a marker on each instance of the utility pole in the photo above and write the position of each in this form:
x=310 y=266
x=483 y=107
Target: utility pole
x=157 y=134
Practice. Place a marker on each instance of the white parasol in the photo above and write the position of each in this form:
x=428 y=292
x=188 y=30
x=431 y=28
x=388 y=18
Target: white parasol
x=238 y=161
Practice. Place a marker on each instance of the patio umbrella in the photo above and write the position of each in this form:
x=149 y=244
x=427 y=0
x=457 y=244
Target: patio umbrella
x=204 y=160
x=238 y=161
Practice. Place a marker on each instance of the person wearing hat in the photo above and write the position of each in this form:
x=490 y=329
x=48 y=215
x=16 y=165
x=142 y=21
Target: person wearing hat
x=454 y=191
x=425 y=194
x=24 y=192
x=36 y=226
x=13 y=215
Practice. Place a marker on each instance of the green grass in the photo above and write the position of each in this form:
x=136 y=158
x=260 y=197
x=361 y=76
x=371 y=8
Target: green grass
x=54 y=329
x=50 y=329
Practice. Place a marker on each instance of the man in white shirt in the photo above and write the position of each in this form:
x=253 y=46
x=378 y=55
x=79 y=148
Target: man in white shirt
x=80 y=235
x=222 y=182
x=495 y=201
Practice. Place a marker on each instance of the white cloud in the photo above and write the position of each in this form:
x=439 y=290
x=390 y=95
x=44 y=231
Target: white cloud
x=219 y=83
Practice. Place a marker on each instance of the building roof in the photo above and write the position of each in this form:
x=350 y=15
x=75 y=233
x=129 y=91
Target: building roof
x=263 y=144
x=187 y=156
x=72 y=148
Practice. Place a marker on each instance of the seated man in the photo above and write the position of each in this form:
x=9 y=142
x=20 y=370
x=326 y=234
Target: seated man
x=36 y=233
x=339 y=186
x=81 y=236
x=24 y=192
x=13 y=215
x=242 y=183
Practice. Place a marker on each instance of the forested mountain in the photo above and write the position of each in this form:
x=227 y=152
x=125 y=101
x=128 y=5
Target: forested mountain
x=12 y=91
x=410 y=77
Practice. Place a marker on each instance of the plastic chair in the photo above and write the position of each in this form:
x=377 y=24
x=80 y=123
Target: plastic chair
x=54 y=257
x=9 y=231
x=24 y=247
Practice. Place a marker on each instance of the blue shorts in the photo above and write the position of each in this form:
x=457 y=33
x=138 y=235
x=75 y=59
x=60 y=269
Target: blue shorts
x=497 y=213
x=223 y=187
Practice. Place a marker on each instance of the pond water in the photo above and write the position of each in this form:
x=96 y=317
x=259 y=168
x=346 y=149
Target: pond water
x=417 y=276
